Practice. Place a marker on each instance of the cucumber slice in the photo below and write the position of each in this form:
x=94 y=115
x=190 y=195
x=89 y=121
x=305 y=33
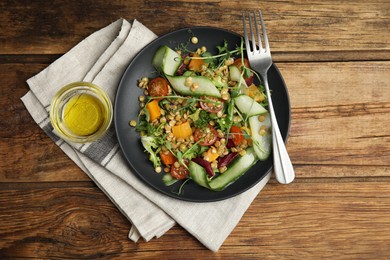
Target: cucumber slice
x=261 y=142
x=166 y=60
x=198 y=174
x=249 y=106
x=189 y=73
x=235 y=75
x=205 y=86
x=234 y=171
x=168 y=179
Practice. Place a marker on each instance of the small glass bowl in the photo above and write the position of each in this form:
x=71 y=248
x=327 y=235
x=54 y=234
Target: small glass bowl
x=59 y=106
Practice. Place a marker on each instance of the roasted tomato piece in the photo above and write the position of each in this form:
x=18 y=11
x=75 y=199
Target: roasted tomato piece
x=206 y=135
x=238 y=63
x=158 y=87
x=211 y=104
x=236 y=135
x=179 y=171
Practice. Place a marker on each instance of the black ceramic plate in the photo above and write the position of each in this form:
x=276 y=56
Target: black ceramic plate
x=127 y=108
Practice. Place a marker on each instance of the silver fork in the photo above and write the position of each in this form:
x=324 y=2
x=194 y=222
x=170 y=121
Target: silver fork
x=260 y=60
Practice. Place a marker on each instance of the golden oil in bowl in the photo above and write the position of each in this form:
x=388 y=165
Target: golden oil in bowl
x=81 y=112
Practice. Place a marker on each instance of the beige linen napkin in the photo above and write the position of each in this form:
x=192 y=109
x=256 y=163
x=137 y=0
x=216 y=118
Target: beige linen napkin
x=102 y=58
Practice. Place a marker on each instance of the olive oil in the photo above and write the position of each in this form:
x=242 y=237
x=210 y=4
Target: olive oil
x=83 y=114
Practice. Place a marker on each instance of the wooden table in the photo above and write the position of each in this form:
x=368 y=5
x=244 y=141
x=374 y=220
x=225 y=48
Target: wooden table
x=335 y=59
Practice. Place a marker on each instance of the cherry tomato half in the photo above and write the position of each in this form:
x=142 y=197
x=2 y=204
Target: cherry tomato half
x=206 y=136
x=158 y=87
x=237 y=135
x=238 y=63
x=214 y=106
x=180 y=172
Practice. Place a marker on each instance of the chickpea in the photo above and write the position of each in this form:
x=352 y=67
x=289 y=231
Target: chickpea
x=229 y=61
x=194 y=86
x=225 y=96
x=224 y=91
x=188 y=82
x=237 y=119
x=261 y=118
x=182 y=147
x=222 y=169
x=163 y=120
x=214 y=164
x=133 y=123
x=194 y=40
x=220 y=134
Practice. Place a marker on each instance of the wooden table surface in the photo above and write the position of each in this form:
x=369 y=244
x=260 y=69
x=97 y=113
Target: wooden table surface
x=335 y=59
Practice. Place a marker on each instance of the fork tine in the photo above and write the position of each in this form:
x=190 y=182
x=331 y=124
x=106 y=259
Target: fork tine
x=250 y=20
x=252 y=32
x=257 y=32
x=267 y=49
x=245 y=33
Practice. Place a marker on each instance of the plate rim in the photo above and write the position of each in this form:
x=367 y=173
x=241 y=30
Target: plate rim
x=128 y=161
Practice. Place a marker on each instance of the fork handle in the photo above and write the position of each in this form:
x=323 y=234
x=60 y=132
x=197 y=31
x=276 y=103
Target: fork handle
x=283 y=168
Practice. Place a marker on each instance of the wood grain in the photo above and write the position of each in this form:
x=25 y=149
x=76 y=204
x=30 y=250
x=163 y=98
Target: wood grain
x=293 y=26
x=294 y=221
x=339 y=112
x=26 y=151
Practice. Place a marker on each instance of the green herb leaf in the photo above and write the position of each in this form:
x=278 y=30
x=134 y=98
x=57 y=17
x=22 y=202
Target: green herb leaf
x=223 y=48
x=203 y=119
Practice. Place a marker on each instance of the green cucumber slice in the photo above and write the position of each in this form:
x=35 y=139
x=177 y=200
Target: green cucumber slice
x=189 y=73
x=205 y=86
x=168 y=179
x=166 y=60
x=198 y=174
x=249 y=106
x=261 y=143
x=234 y=171
x=235 y=75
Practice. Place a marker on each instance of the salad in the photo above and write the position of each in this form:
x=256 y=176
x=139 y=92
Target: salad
x=203 y=117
